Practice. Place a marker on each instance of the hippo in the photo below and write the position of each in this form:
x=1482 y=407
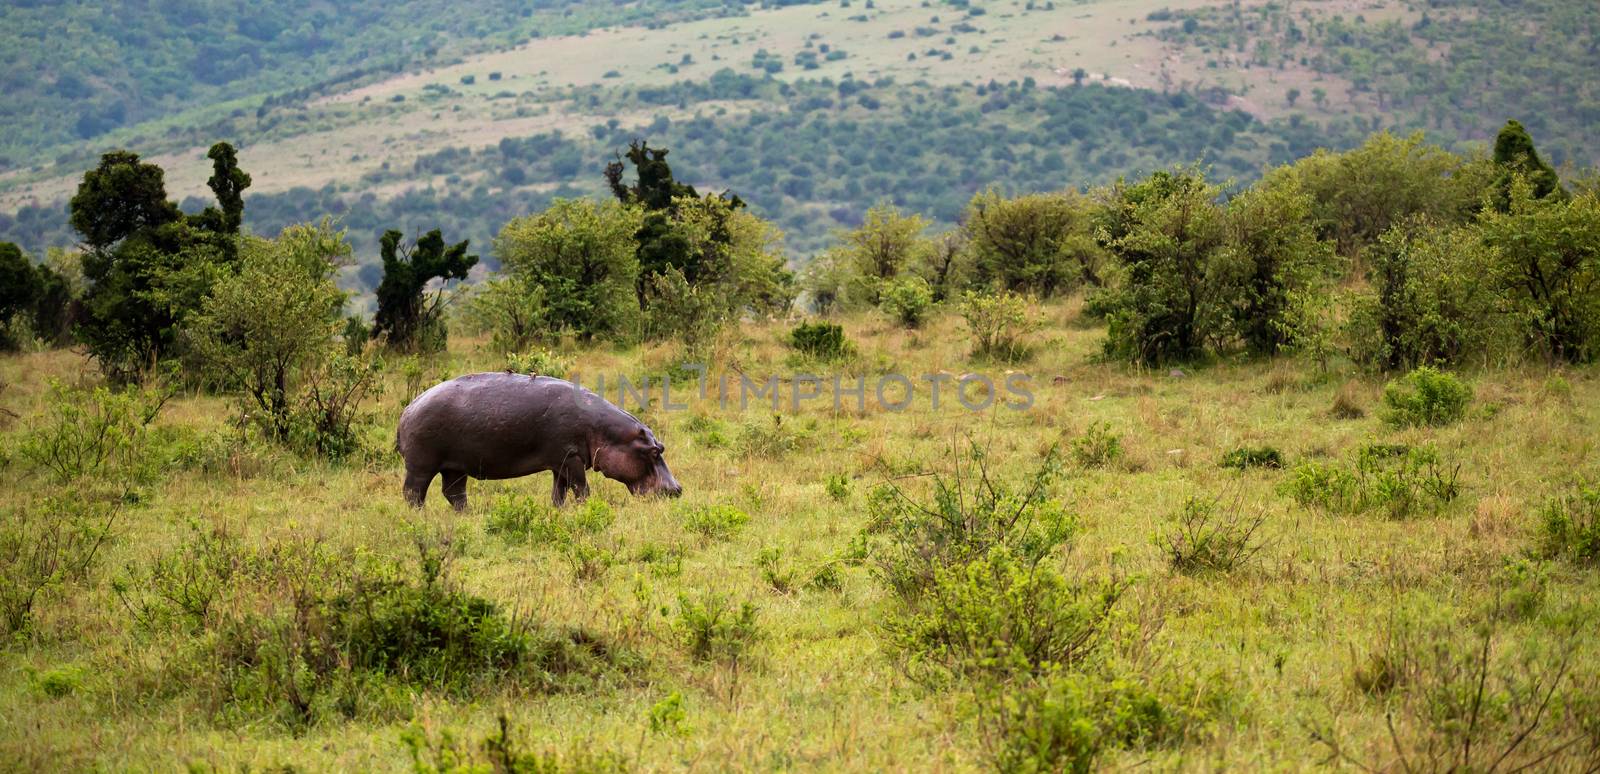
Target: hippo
x=505 y=425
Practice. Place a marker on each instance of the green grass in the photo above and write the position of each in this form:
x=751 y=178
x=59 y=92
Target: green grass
x=815 y=683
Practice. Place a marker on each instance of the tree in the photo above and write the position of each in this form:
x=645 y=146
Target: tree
x=1548 y=267
x=409 y=318
x=1039 y=243
x=583 y=258
x=1430 y=300
x=147 y=266
x=1292 y=96
x=1164 y=232
x=1272 y=252
x=267 y=327
x=19 y=284
x=885 y=244
x=1515 y=156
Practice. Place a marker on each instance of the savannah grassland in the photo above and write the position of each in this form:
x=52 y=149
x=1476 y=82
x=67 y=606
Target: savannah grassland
x=1275 y=645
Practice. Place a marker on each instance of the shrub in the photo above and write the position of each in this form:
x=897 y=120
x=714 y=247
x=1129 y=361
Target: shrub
x=533 y=520
x=582 y=256
x=967 y=516
x=1208 y=536
x=679 y=311
x=712 y=629
x=1569 y=525
x=907 y=300
x=45 y=545
x=1429 y=303
x=1325 y=487
x=539 y=362
x=838 y=487
x=1066 y=723
x=715 y=522
x=1395 y=478
x=327 y=417
x=997 y=322
x=1246 y=457
x=1001 y=617
x=500 y=752
x=410 y=318
x=1425 y=397
x=824 y=341
x=1097 y=447
x=783 y=580
x=91 y=434
x=774 y=439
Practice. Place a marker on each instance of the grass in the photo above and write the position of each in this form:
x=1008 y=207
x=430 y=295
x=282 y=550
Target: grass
x=815 y=683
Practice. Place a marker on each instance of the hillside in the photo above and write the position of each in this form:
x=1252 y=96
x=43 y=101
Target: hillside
x=844 y=105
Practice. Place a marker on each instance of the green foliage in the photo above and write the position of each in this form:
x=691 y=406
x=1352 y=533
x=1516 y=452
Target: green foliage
x=511 y=310
x=715 y=522
x=1515 y=157
x=1272 y=255
x=265 y=327
x=1431 y=303
x=533 y=520
x=1164 y=234
x=907 y=300
x=712 y=629
x=539 y=362
x=1097 y=447
x=1425 y=398
x=1569 y=525
x=409 y=318
x=821 y=340
x=19 y=285
x=967 y=516
x=1068 y=722
x=581 y=256
x=886 y=244
x=500 y=753
x=1208 y=535
x=999 y=617
x=94 y=434
x=997 y=322
x=1548 y=269
x=47 y=544
x=1397 y=479
x=1246 y=457
x=148 y=265
x=838 y=487
x=1037 y=243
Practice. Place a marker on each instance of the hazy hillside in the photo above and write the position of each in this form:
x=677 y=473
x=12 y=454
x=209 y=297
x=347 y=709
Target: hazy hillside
x=810 y=112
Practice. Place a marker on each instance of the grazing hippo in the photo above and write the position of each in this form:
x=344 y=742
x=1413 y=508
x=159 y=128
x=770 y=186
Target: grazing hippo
x=505 y=425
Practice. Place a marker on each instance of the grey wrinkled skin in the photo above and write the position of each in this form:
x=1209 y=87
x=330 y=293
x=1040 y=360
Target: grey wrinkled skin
x=504 y=425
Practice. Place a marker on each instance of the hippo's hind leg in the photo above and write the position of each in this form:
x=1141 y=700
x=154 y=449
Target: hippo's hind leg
x=455 y=489
x=416 y=485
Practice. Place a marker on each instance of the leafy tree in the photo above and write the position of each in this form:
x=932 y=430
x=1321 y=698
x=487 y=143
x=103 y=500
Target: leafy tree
x=1039 y=243
x=886 y=243
x=409 y=318
x=19 y=284
x=147 y=265
x=583 y=258
x=265 y=328
x=1430 y=301
x=1548 y=268
x=1272 y=253
x=1165 y=233
x=1514 y=156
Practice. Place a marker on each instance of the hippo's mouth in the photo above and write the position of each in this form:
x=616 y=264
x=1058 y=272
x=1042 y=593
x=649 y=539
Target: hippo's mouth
x=654 y=487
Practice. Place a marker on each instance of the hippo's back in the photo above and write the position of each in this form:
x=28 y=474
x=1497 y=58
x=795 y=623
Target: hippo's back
x=481 y=420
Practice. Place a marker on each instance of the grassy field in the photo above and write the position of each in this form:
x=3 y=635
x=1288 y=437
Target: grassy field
x=1282 y=639
x=340 y=137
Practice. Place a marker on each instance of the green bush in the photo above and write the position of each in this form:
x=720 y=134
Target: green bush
x=773 y=439
x=539 y=362
x=92 y=434
x=501 y=753
x=712 y=629
x=824 y=341
x=998 y=322
x=533 y=520
x=1000 y=617
x=1569 y=525
x=1398 y=479
x=1097 y=447
x=1246 y=457
x=1326 y=487
x=715 y=522
x=1068 y=722
x=46 y=545
x=907 y=300
x=1209 y=536
x=1425 y=397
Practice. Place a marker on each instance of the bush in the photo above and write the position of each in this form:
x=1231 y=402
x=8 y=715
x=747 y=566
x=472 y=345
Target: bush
x=715 y=522
x=711 y=629
x=998 y=322
x=1395 y=478
x=907 y=300
x=1097 y=447
x=773 y=439
x=1246 y=457
x=533 y=520
x=1208 y=536
x=92 y=434
x=967 y=516
x=824 y=341
x=45 y=545
x=1425 y=397
x=1068 y=722
x=539 y=362
x=500 y=752
x=1569 y=525
x=1001 y=617
x=1429 y=303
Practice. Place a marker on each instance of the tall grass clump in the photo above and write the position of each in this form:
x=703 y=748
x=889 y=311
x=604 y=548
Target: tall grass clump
x=1397 y=479
x=1569 y=525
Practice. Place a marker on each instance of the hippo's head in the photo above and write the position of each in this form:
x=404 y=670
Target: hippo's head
x=635 y=458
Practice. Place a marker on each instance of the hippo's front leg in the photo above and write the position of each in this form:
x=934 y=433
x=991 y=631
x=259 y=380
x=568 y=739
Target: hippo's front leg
x=570 y=478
